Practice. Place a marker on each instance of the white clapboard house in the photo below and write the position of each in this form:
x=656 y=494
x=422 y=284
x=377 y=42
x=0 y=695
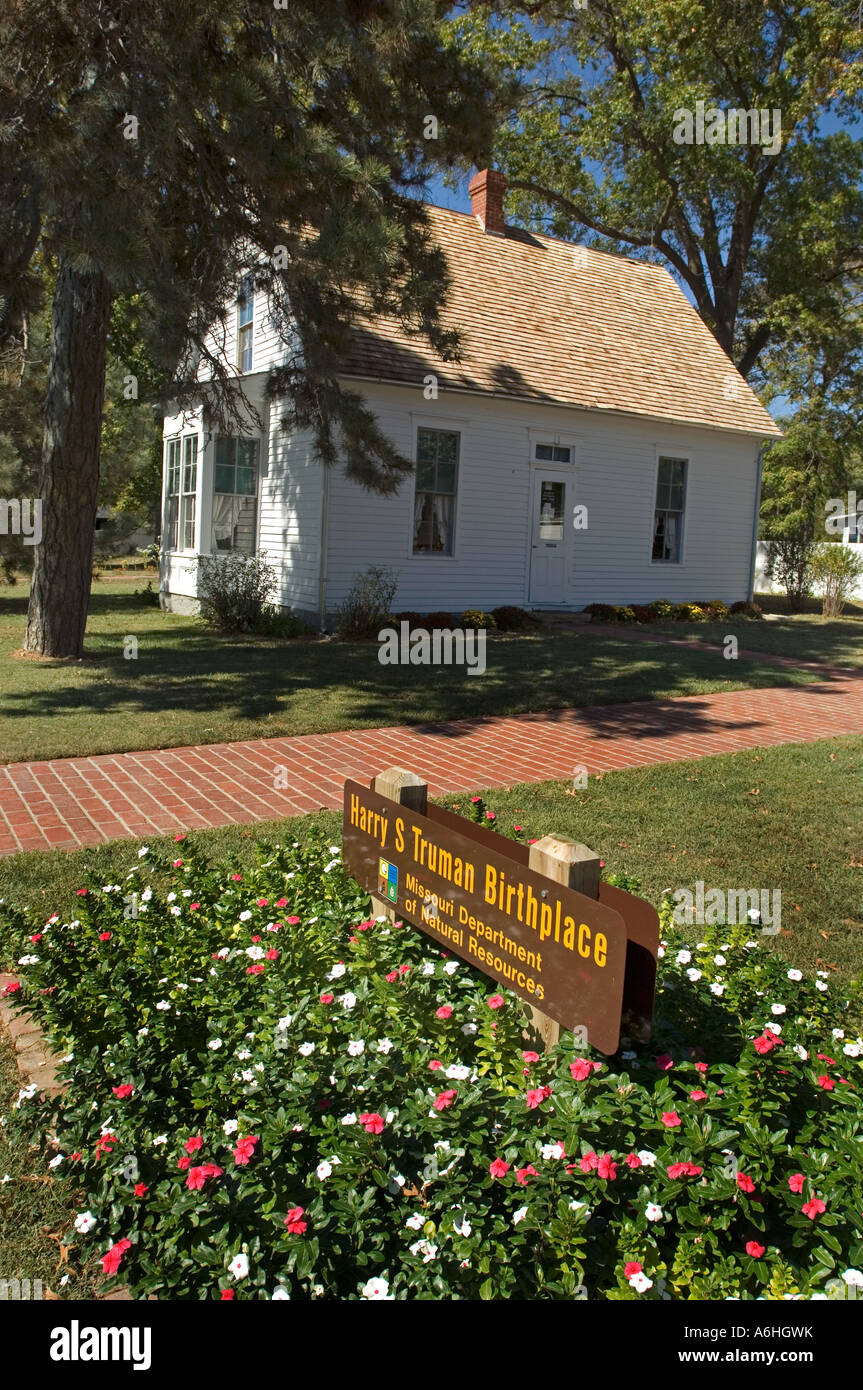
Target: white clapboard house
x=594 y=444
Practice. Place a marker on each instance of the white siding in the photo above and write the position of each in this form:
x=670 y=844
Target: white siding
x=614 y=475
x=291 y=513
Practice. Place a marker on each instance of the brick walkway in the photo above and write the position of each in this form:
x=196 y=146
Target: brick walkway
x=83 y=801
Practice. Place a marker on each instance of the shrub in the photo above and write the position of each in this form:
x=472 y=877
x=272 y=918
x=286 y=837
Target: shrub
x=602 y=612
x=716 y=610
x=746 y=609
x=367 y=606
x=233 y=590
x=789 y=562
x=663 y=609
x=414 y=619
x=513 y=619
x=624 y=614
x=474 y=617
x=148 y=594
x=835 y=571
x=262 y=1095
x=643 y=612
x=441 y=620
x=281 y=622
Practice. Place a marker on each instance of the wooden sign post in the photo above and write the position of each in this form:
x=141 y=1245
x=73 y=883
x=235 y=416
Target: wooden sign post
x=538 y=920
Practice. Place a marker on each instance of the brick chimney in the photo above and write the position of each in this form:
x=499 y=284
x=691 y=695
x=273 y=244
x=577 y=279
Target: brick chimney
x=486 y=191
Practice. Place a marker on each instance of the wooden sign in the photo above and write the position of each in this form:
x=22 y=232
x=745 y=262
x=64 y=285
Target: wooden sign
x=563 y=953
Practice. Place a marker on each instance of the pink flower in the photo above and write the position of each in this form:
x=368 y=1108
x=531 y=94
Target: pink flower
x=701 y=1066
x=140 y=1188
x=671 y=1119
x=12 y=987
x=589 y=1162
x=495 y=1001
x=327 y=998
x=403 y=969
x=227 y=1295
x=522 y=1175
x=262 y=902
x=121 y=1092
x=435 y=1065
x=105 y=1145
x=518 y=827
x=104 y=936
x=373 y=1123
x=177 y=863
x=291 y=921
x=80 y=892
x=489 y=815
x=535 y=1098
x=754 y=1249
x=192 y=1145
x=698 y=1095
x=665 y=1062
x=184 y=1162
x=685 y=1170
x=444 y=1011
x=178 y=839
x=766 y=1043
x=475 y=799
x=445 y=1099
x=254 y=970
x=193 y=907
x=796 y=1181
x=196 y=1177
x=530 y=1057
x=294 y=1221
x=632 y=1161
x=825 y=1082
x=245 y=1149
x=111 y=1261
x=272 y=954
x=392 y=977
x=813 y=1208
x=581 y=1068
x=498 y=1168
x=606 y=1168
x=281 y=902
x=236 y=878
x=631 y=1268
x=745 y=1183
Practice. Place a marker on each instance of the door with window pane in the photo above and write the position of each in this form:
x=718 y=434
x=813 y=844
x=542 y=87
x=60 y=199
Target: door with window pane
x=549 y=553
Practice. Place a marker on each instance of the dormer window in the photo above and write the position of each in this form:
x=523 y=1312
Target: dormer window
x=245 y=323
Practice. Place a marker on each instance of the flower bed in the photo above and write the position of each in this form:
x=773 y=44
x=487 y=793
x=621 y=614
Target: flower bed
x=270 y=1095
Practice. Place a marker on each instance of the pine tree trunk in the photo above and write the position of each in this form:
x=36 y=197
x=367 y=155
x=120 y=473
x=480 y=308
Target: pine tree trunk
x=69 y=474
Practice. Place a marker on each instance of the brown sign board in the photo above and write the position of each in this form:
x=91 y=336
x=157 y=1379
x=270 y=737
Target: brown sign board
x=473 y=892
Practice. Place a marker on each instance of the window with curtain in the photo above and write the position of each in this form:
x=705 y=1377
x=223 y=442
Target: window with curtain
x=188 y=494
x=436 y=482
x=668 y=514
x=245 y=323
x=172 y=493
x=235 y=495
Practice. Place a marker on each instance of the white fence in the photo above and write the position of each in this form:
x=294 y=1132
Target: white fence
x=766 y=586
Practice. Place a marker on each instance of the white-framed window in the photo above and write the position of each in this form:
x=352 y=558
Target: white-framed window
x=545 y=452
x=172 y=493
x=245 y=323
x=669 y=510
x=189 y=492
x=181 y=487
x=437 y=464
x=235 y=494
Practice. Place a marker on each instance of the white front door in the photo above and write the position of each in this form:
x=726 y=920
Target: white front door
x=549 y=552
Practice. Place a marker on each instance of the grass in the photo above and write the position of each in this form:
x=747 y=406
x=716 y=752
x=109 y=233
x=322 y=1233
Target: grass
x=802 y=636
x=787 y=817
x=37 y=1209
x=190 y=686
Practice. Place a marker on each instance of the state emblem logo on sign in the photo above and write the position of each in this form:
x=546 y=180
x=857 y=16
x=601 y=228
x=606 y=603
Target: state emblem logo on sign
x=388 y=880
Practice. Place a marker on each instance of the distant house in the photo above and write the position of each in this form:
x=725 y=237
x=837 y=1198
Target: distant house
x=593 y=444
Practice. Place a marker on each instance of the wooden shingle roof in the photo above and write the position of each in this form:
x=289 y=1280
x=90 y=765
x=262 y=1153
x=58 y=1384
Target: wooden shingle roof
x=542 y=319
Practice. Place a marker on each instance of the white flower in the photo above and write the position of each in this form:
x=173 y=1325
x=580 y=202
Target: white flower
x=778 y=1009
x=820 y=984
x=795 y=974
x=28 y=960
x=648 y=1159
x=323 y=1170
x=230 y=1126
x=348 y=1000
x=337 y=971
x=214 y=1044
x=376 y=1290
x=451 y=967
x=396 y=1183
x=170 y=897
x=837 y=1032
x=854 y=1278
x=243 y=1054
x=145 y=849
x=55 y=1162
x=519 y=1215
x=579 y=1206
x=145 y=896
x=384 y=1045
x=719 y=960
x=285 y=1023
x=801 y=1052
x=335 y=849
x=424 y=1248
x=852 y=1049
x=84 y=1222
x=255 y=952
x=239 y=1266
x=142 y=1032
x=279 y=1295
x=653 y=1212
x=163 y=1006
x=349 y=1119
x=552 y=1150
x=462 y=1227
x=693 y=975
x=247 y=1075
x=457 y=1073
x=775 y=1028
x=306 y=1049
x=333 y=864
x=683 y=957
x=415 y=1222
x=468 y=1029
x=356 y=1047
x=823 y=974
x=428 y=968
x=751 y=945
x=717 y=989
x=160 y=1139
x=641 y=1283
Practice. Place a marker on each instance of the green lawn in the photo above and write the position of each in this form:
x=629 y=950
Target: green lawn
x=787 y=817
x=190 y=686
x=802 y=636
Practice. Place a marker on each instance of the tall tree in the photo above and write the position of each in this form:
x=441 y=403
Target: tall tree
x=161 y=151
x=596 y=147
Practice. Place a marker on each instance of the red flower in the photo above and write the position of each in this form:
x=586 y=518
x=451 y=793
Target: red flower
x=444 y=1011
x=104 y=936
x=373 y=1123
x=255 y=970
x=766 y=1043
x=178 y=839
x=581 y=1068
x=121 y=1092
x=327 y=998
x=435 y=1065
x=495 y=1001
x=825 y=1082
x=745 y=1183
x=530 y=1056
x=475 y=799
x=236 y=878
x=822 y=1057
x=589 y=1162
x=754 y=1249
x=631 y=1268
x=193 y=907
x=177 y=863
x=518 y=827
x=698 y=1095
x=111 y=1261
x=198 y=1176
x=227 y=1295
x=684 y=1170
x=105 y=1145
x=498 y=1168
x=192 y=1145
x=813 y=1208
x=445 y=1099
x=535 y=1098
x=391 y=979
x=701 y=1066
x=245 y=1148
x=272 y=954
x=489 y=815
x=665 y=1062
x=281 y=902
x=12 y=987
x=294 y=1221
x=37 y=937
x=522 y=1175
x=80 y=892
x=403 y=969
x=140 y=1188
x=632 y=1161
x=262 y=902
x=183 y=1163
x=606 y=1168
x=291 y=921
x=671 y=1119
x=796 y=1181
